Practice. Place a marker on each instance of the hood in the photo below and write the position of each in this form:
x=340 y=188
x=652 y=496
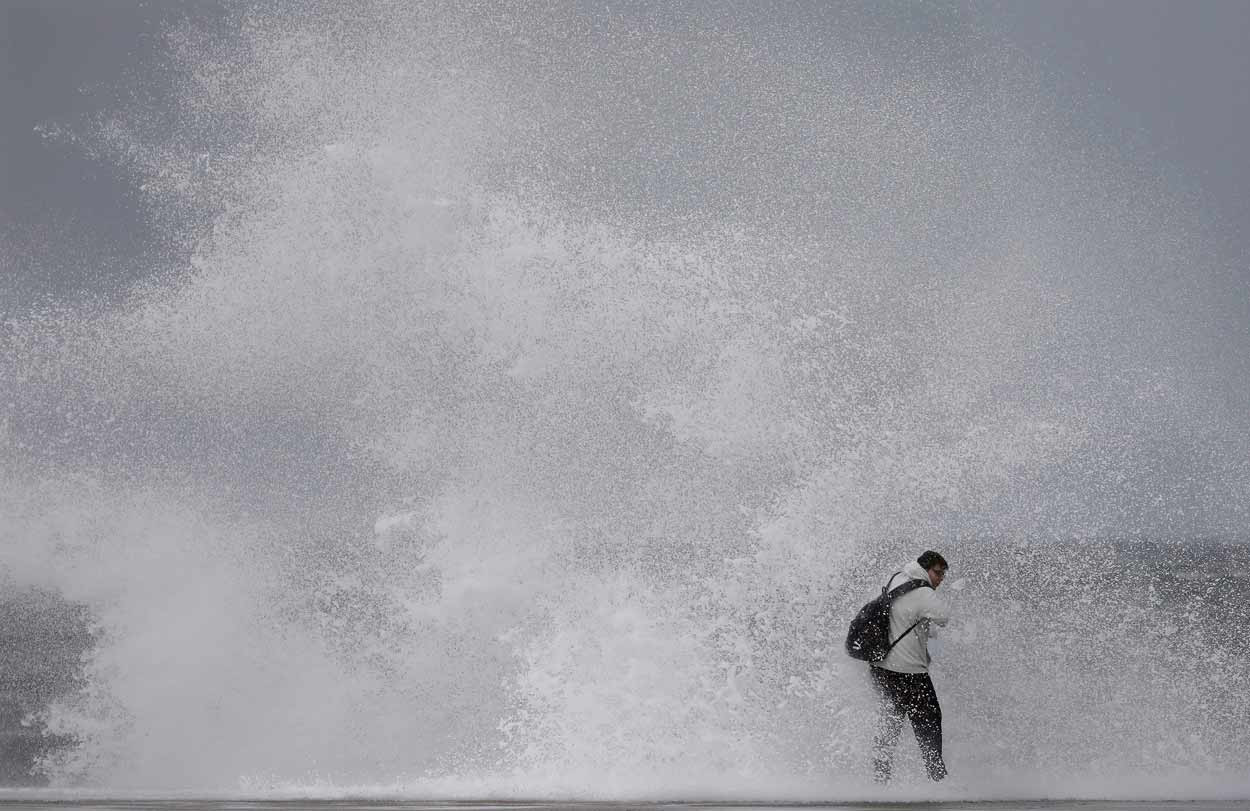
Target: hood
x=912 y=569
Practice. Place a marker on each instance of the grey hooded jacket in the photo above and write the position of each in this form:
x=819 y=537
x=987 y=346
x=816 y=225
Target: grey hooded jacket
x=911 y=654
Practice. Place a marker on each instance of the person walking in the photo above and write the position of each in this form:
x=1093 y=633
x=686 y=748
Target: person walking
x=902 y=677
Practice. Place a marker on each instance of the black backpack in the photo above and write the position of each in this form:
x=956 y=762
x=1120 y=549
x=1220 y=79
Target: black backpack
x=868 y=638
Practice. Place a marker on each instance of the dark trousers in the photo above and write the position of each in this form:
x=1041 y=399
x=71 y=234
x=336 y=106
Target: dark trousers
x=906 y=695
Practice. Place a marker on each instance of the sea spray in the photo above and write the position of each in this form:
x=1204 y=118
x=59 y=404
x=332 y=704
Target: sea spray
x=536 y=394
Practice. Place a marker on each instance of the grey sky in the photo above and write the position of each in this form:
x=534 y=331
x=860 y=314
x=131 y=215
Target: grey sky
x=1159 y=87
x=60 y=62
x=1167 y=79
x=1173 y=75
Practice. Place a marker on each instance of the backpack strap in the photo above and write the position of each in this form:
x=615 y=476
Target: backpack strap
x=906 y=586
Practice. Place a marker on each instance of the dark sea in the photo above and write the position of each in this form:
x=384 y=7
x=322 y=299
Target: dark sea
x=403 y=805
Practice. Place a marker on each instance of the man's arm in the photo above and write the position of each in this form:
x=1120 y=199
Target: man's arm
x=935 y=609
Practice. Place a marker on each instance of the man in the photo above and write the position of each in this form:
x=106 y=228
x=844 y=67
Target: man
x=902 y=677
